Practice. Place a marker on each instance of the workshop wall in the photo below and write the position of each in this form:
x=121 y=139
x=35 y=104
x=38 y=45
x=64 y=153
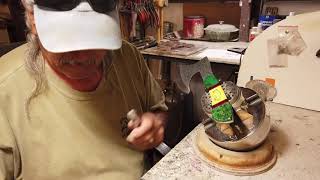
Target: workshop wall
x=174 y=14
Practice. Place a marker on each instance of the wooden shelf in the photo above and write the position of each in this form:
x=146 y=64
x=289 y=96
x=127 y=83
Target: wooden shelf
x=291 y=0
x=203 y=1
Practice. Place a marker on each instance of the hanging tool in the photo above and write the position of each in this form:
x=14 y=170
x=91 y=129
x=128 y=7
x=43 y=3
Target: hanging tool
x=160 y=4
x=142 y=11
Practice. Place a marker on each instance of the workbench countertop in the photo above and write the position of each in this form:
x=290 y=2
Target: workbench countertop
x=215 y=51
x=295 y=134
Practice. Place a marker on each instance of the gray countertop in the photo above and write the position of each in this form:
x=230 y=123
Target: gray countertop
x=295 y=134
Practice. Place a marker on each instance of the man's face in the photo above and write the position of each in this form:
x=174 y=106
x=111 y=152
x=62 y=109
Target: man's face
x=76 y=65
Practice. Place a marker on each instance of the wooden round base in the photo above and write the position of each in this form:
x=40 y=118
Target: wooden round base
x=232 y=162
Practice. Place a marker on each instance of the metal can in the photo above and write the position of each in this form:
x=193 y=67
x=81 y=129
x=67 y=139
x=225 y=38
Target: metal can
x=193 y=27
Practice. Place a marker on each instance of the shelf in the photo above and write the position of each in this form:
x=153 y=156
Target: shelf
x=291 y=0
x=203 y=1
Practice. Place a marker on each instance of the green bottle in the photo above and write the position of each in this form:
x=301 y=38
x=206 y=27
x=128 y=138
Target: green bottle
x=222 y=111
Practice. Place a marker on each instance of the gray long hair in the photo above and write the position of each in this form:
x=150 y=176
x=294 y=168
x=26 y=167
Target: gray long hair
x=34 y=64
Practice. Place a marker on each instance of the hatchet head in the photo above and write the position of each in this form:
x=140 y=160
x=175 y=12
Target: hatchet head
x=186 y=72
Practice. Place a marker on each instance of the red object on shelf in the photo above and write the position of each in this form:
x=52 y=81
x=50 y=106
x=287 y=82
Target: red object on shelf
x=193 y=26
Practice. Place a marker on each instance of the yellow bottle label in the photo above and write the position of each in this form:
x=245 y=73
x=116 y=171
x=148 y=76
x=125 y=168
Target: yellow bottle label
x=217 y=95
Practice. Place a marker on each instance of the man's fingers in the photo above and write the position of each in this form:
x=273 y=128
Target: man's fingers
x=143 y=129
x=159 y=136
x=149 y=140
x=155 y=140
x=148 y=137
x=158 y=123
x=134 y=123
x=151 y=136
x=145 y=126
x=130 y=124
x=148 y=134
x=147 y=123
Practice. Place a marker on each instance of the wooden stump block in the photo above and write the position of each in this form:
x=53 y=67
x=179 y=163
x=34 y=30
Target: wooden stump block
x=232 y=162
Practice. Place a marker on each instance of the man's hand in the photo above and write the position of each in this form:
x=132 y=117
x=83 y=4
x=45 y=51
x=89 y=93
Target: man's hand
x=147 y=130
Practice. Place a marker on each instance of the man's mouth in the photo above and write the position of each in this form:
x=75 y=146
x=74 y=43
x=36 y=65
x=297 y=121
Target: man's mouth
x=78 y=63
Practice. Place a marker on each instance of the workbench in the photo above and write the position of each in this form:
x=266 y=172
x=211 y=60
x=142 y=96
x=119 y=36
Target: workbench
x=214 y=52
x=295 y=134
x=225 y=64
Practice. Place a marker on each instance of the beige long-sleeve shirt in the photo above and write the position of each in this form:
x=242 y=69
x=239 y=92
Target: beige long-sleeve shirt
x=73 y=135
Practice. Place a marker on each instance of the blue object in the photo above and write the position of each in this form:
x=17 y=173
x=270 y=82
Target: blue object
x=266 y=21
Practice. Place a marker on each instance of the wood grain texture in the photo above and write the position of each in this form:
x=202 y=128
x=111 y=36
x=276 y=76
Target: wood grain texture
x=245 y=21
x=232 y=162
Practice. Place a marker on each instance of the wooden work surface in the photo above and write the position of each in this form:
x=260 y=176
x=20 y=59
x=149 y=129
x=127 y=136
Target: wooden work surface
x=294 y=134
x=214 y=51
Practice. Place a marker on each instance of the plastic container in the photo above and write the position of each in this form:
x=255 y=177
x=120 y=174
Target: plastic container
x=254 y=32
x=222 y=32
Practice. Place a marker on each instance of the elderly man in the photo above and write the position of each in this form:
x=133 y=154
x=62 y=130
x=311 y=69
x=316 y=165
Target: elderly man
x=64 y=93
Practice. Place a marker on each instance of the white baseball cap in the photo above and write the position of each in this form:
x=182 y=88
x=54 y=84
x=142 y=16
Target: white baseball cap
x=78 y=29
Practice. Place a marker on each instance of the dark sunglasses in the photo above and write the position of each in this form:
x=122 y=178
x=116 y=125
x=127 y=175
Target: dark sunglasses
x=101 y=6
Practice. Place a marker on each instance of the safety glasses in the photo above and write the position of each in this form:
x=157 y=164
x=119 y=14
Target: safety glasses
x=101 y=6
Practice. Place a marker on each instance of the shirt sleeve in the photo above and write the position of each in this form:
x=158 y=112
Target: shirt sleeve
x=155 y=99
x=6 y=150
